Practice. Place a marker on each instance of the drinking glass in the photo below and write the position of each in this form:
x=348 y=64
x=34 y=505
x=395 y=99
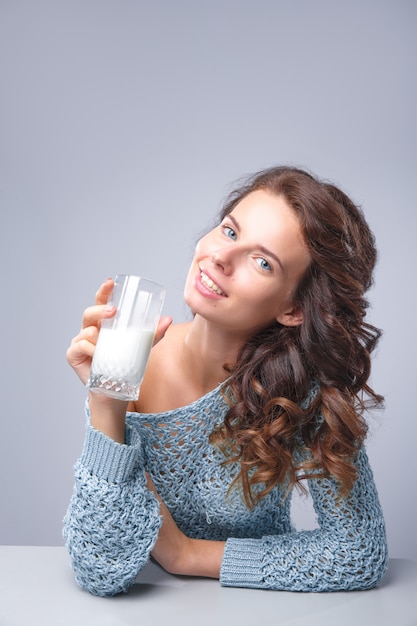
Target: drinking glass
x=125 y=341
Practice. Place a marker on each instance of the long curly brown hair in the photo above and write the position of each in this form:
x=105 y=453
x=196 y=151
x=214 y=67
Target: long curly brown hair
x=268 y=428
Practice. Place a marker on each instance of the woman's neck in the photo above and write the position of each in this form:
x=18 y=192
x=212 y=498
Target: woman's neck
x=187 y=364
x=208 y=352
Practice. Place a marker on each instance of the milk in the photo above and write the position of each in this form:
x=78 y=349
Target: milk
x=123 y=346
x=122 y=354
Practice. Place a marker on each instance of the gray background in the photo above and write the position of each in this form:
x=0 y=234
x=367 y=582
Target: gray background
x=122 y=126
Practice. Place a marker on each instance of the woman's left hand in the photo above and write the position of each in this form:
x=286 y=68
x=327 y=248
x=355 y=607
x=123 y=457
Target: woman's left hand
x=179 y=554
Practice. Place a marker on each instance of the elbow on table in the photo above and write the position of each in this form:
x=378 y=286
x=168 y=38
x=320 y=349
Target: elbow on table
x=376 y=569
x=98 y=573
x=366 y=568
x=101 y=583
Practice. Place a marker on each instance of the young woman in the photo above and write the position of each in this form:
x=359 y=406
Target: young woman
x=264 y=388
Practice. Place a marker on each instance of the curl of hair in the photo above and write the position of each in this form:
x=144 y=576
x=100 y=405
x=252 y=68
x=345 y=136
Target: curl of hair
x=268 y=427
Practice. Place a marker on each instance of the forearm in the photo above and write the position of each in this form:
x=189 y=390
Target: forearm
x=348 y=551
x=179 y=554
x=205 y=558
x=191 y=557
x=113 y=520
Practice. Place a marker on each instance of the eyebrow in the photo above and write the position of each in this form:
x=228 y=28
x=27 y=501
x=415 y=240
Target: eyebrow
x=260 y=247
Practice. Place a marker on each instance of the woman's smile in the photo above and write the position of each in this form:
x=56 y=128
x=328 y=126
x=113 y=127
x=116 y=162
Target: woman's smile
x=209 y=283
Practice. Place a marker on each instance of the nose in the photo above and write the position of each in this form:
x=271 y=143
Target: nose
x=223 y=259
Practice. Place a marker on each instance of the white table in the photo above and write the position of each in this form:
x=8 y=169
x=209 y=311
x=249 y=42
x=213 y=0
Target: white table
x=37 y=588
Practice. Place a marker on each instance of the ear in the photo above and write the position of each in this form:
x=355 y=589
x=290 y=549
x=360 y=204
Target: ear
x=292 y=317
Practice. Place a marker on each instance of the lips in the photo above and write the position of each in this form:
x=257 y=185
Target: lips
x=210 y=284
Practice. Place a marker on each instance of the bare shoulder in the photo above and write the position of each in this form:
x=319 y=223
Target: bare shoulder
x=169 y=348
x=161 y=387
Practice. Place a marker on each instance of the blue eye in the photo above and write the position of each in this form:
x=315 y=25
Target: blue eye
x=263 y=264
x=229 y=232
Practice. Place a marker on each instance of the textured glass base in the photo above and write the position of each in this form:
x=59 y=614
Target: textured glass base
x=115 y=388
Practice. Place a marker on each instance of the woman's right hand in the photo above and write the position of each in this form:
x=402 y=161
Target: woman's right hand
x=81 y=351
x=107 y=414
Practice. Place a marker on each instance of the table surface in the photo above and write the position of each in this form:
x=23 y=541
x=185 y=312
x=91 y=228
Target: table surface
x=37 y=587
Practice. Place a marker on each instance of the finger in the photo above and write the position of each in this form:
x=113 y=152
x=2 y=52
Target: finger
x=104 y=291
x=149 y=483
x=80 y=352
x=93 y=315
x=163 y=325
x=83 y=347
x=90 y=333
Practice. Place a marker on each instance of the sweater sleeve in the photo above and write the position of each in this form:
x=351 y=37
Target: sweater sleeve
x=113 y=520
x=348 y=551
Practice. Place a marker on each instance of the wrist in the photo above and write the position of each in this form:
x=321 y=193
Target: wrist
x=108 y=415
x=203 y=558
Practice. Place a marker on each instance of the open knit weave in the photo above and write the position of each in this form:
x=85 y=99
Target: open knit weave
x=113 y=520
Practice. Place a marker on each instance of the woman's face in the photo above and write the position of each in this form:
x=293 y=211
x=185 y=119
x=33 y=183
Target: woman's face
x=246 y=270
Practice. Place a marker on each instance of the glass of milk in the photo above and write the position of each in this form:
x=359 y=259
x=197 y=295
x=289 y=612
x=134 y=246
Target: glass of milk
x=125 y=341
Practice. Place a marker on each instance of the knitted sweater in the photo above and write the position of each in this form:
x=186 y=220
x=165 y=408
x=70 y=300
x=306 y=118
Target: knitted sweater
x=113 y=520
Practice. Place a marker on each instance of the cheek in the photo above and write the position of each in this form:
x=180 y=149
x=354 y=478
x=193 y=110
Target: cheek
x=202 y=247
x=272 y=301
x=190 y=275
x=196 y=258
x=188 y=289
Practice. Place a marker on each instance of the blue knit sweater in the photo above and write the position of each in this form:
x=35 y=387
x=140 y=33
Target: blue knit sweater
x=113 y=520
